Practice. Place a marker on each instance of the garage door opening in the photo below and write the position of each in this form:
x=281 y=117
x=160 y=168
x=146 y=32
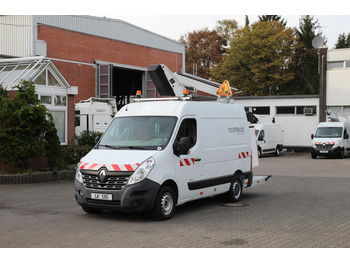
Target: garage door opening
x=125 y=83
x=120 y=83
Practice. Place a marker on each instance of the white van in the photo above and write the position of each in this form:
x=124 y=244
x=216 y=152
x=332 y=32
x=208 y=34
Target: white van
x=94 y=114
x=331 y=139
x=269 y=138
x=156 y=155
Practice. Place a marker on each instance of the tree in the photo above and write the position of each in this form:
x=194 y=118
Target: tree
x=203 y=48
x=265 y=18
x=225 y=28
x=26 y=128
x=305 y=59
x=259 y=59
x=343 y=41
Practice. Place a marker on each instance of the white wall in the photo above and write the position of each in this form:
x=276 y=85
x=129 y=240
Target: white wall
x=297 y=127
x=338 y=80
x=16 y=34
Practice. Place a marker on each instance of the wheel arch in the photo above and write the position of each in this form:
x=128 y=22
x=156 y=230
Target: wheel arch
x=171 y=183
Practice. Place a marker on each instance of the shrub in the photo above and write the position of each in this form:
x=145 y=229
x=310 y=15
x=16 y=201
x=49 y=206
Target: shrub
x=72 y=153
x=26 y=128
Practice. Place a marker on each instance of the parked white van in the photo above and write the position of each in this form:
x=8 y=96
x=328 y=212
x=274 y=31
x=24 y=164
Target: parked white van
x=269 y=138
x=331 y=139
x=156 y=155
x=94 y=114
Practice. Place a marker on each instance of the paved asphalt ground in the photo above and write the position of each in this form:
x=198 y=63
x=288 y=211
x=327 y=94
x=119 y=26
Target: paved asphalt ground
x=306 y=203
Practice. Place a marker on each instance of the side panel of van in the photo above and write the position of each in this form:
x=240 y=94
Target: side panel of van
x=222 y=148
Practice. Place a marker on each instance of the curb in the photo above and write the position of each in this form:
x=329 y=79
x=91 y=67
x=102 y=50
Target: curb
x=37 y=177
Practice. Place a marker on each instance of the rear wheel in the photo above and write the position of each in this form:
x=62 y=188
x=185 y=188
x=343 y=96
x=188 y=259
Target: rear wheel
x=164 y=206
x=236 y=190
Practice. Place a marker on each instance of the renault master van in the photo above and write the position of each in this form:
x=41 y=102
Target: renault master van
x=269 y=138
x=158 y=155
x=331 y=139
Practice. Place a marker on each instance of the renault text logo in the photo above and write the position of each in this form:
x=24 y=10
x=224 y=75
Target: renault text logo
x=102 y=175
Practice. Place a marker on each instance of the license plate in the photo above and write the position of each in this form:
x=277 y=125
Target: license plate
x=101 y=196
x=324 y=152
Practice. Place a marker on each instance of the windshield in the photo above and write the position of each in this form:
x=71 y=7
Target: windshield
x=329 y=132
x=138 y=132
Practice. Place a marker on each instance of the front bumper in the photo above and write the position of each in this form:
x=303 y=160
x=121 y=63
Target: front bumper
x=138 y=197
x=337 y=151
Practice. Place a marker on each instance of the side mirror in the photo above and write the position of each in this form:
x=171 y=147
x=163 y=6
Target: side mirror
x=312 y=136
x=97 y=138
x=182 y=147
x=346 y=136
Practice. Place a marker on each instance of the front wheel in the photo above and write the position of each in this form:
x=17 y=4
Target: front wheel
x=164 y=206
x=235 y=192
x=277 y=152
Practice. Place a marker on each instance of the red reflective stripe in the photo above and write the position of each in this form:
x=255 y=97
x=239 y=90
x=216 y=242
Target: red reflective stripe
x=92 y=166
x=116 y=167
x=239 y=156
x=129 y=167
x=181 y=163
x=243 y=154
x=192 y=160
x=187 y=162
x=83 y=165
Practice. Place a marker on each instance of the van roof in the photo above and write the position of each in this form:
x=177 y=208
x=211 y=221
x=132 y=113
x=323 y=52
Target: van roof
x=180 y=108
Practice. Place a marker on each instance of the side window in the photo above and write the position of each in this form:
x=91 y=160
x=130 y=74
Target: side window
x=188 y=128
x=261 y=135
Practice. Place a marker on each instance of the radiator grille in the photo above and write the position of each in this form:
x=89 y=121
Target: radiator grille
x=110 y=182
x=324 y=147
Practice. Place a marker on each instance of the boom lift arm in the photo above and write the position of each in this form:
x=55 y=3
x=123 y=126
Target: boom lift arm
x=173 y=84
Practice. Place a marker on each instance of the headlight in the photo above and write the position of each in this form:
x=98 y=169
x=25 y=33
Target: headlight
x=78 y=175
x=142 y=171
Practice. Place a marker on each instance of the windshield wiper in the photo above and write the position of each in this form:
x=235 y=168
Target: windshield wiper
x=113 y=147
x=125 y=147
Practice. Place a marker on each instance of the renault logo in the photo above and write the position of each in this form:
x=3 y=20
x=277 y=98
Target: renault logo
x=102 y=176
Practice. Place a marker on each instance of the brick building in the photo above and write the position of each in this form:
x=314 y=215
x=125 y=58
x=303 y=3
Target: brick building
x=102 y=57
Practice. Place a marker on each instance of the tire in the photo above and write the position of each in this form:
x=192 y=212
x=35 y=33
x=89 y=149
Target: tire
x=90 y=210
x=165 y=204
x=277 y=152
x=313 y=155
x=342 y=154
x=259 y=152
x=236 y=190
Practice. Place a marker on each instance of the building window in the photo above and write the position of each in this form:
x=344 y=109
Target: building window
x=261 y=110
x=347 y=64
x=60 y=100
x=46 y=78
x=335 y=65
x=59 y=118
x=294 y=110
x=45 y=100
x=285 y=110
x=57 y=106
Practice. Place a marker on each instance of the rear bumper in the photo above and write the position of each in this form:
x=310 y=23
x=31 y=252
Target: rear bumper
x=139 y=197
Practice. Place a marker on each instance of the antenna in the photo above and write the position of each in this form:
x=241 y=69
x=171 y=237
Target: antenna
x=317 y=42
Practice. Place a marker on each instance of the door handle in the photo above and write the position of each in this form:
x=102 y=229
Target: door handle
x=197 y=159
